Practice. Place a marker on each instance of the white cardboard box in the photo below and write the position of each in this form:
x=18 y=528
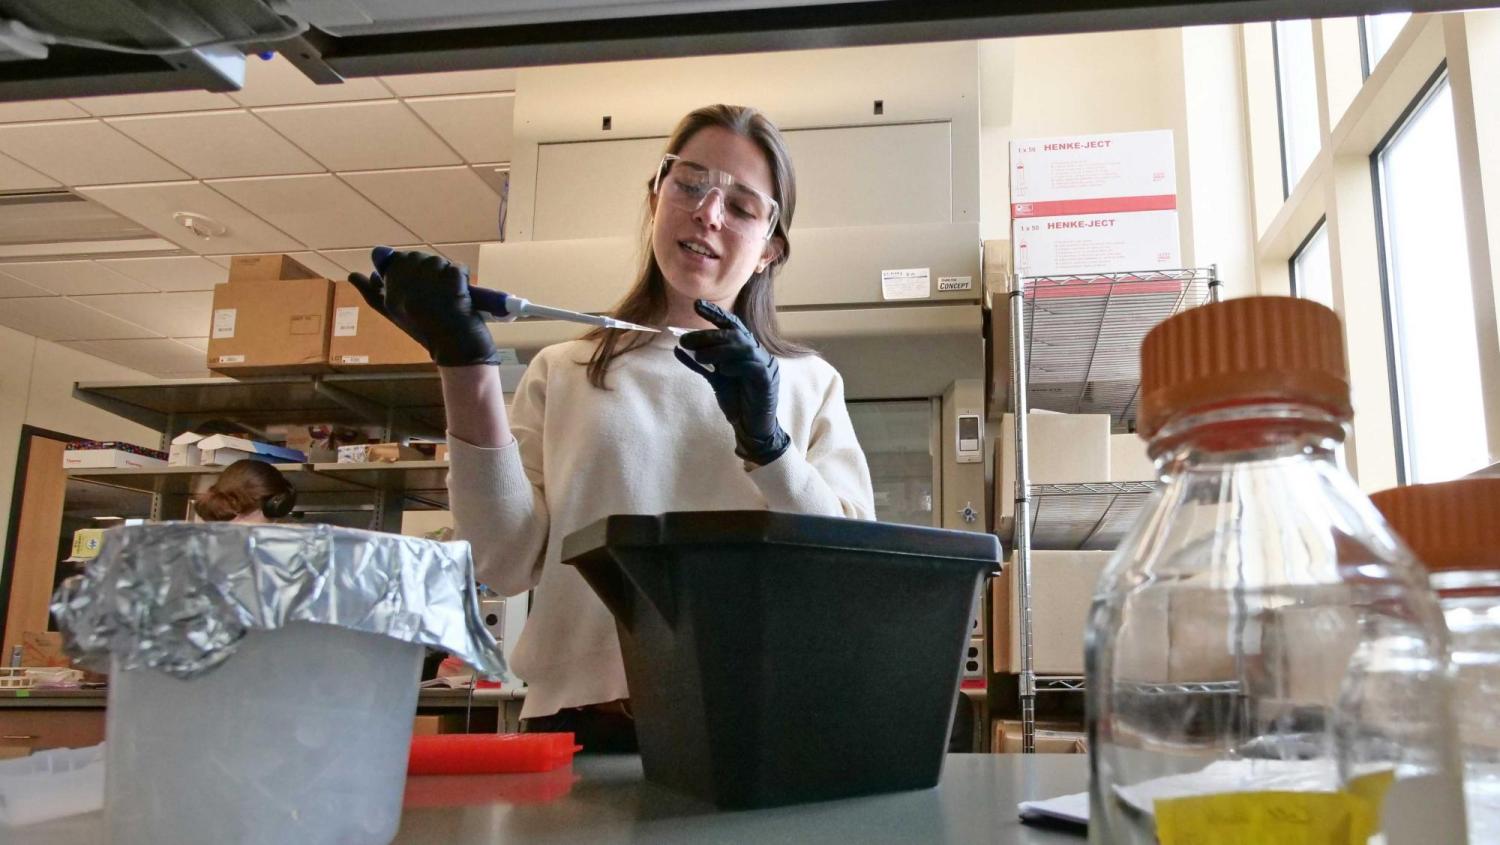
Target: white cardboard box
x=1063 y=448
x=1128 y=460
x=1062 y=590
x=108 y=458
x=1113 y=166
x=1097 y=243
x=185 y=451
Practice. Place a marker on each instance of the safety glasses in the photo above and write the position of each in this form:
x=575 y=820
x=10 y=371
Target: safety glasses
x=687 y=185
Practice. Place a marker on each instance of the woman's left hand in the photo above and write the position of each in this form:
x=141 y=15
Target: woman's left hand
x=745 y=379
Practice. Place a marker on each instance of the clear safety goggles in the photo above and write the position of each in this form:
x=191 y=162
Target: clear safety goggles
x=687 y=185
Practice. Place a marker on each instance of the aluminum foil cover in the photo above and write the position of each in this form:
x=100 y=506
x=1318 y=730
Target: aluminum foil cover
x=179 y=596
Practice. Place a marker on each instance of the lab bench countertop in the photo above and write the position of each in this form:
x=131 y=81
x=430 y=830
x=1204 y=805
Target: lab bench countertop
x=41 y=698
x=602 y=800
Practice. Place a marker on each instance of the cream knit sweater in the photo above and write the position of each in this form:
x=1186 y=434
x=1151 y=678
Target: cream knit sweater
x=655 y=442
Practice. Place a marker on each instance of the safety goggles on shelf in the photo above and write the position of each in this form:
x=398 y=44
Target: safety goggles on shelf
x=687 y=185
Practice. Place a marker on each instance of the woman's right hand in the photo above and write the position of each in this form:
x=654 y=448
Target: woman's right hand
x=428 y=298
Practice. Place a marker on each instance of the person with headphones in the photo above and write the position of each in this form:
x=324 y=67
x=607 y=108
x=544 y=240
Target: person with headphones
x=247 y=491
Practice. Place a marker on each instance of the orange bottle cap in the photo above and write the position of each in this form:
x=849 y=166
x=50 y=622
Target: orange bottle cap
x=1453 y=525
x=1241 y=351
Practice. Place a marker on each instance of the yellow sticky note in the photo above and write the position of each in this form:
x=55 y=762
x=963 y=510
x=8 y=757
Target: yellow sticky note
x=1265 y=818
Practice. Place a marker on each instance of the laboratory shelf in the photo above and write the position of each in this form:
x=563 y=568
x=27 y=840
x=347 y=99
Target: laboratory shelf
x=422 y=483
x=1080 y=517
x=189 y=481
x=1084 y=333
x=1075 y=683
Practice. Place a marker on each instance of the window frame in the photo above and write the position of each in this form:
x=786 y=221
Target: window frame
x=1286 y=188
x=1291 y=263
x=1400 y=427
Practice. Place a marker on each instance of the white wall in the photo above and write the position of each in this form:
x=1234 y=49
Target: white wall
x=1186 y=80
x=36 y=388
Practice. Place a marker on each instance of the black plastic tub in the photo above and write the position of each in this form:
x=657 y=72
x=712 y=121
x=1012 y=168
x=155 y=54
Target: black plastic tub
x=777 y=658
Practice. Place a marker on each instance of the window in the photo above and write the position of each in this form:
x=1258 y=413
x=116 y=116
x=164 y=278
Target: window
x=1378 y=32
x=897 y=440
x=1312 y=274
x=1429 y=300
x=1296 y=100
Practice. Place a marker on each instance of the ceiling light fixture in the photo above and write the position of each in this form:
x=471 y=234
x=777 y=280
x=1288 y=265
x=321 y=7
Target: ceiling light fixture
x=201 y=225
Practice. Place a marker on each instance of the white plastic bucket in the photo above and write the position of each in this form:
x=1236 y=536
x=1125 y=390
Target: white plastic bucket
x=301 y=736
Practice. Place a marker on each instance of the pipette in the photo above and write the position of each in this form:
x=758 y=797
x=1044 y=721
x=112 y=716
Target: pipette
x=500 y=305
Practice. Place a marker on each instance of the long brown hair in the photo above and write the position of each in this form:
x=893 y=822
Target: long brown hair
x=646 y=301
x=246 y=486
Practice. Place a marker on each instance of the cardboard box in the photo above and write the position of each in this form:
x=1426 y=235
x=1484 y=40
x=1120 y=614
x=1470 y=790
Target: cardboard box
x=224 y=449
x=270 y=327
x=1063 y=448
x=96 y=455
x=1062 y=590
x=1128 y=460
x=267 y=268
x=378 y=453
x=361 y=339
x=1007 y=739
x=427 y=726
x=43 y=648
x=442 y=452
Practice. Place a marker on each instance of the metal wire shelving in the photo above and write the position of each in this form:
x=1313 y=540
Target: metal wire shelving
x=1075 y=348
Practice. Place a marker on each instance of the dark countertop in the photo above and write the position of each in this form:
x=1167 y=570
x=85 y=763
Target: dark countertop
x=603 y=800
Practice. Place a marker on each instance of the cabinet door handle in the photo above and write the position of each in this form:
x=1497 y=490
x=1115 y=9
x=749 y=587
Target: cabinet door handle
x=21 y=736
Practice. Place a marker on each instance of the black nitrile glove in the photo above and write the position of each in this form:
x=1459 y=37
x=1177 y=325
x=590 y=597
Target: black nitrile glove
x=746 y=380
x=428 y=298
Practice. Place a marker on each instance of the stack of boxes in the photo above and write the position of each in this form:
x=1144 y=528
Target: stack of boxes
x=1062 y=449
x=276 y=316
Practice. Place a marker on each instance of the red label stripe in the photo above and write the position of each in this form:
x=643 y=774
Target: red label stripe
x=1105 y=205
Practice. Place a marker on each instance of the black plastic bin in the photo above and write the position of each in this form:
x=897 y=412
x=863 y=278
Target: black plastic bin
x=777 y=658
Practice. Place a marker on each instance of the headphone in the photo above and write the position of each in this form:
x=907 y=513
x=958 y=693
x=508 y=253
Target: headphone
x=280 y=504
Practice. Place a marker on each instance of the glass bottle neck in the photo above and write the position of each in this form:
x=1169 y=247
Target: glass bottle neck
x=1246 y=433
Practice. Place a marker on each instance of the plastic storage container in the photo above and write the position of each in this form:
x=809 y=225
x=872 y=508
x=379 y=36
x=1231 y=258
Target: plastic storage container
x=303 y=734
x=264 y=677
x=1261 y=630
x=776 y=658
x=1454 y=528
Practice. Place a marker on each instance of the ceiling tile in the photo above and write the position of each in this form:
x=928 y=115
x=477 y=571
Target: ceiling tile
x=451 y=82
x=215 y=144
x=12 y=287
x=198 y=343
x=478 y=126
x=169 y=101
x=361 y=136
x=358 y=260
x=442 y=204
x=278 y=82
x=61 y=318
x=153 y=206
x=221 y=260
x=161 y=357
x=320 y=211
x=173 y=273
x=15 y=176
x=465 y=254
x=84 y=152
x=73 y=277
x=172 y=314
x=39 y=110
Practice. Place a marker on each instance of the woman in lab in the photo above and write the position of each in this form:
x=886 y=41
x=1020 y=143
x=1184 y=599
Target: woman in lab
x=735 y=417
x=247 y=491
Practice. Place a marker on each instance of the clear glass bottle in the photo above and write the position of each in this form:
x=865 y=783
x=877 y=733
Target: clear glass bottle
x=1260 y=630
x=1454 y=528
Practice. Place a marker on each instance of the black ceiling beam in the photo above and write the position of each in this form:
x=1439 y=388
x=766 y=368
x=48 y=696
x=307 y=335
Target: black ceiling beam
x=812 y=26
x=75 y=72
